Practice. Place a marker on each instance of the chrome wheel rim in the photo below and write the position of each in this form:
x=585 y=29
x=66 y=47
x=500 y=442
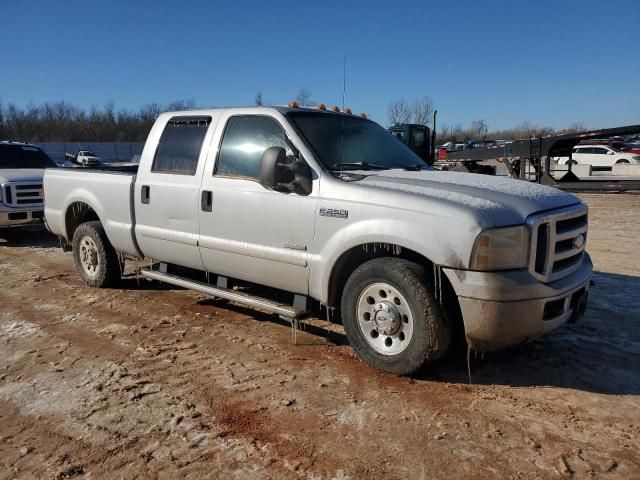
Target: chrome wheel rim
x=89 y=257
x=384 y=318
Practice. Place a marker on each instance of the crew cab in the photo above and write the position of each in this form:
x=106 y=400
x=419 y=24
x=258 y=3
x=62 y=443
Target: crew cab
x=21 y=171
x=599 y=156
x=322 y=209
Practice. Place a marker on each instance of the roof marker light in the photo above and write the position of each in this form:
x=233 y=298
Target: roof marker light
x=335 y=108
x=348 y=110
x=321 y=106
x=363 y=115
x=293 y=104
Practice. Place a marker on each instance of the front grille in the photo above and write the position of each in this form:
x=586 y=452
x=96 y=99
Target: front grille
x=20 y=194
x=558 y=240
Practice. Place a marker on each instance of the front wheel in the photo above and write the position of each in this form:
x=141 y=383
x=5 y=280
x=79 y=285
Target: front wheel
x=622 y=162
x=94 y=257
x=390 y=317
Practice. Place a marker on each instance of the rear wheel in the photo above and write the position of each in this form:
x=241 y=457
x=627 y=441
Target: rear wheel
x=622 y=162
x=94 y=257
x=391 y=318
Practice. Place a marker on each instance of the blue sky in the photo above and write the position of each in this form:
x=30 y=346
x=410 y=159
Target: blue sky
x=546 y=62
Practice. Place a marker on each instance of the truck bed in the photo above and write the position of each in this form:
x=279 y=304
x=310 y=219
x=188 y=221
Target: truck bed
x=108 y=193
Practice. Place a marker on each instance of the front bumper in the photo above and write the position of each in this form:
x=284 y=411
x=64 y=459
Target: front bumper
x=501 y=309
x=17 y=217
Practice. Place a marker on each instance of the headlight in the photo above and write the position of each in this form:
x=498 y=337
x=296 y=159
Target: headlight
x=501 y=249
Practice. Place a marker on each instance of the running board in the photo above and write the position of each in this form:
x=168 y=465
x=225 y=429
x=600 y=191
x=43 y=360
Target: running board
x=251 y=301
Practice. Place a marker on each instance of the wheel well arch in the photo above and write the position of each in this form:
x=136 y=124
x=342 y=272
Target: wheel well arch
x=76 y=214
x=356 y=256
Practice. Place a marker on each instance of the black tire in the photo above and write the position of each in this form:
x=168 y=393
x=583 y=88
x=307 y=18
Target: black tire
x=573 y=162
x=431 y=333
x=107 y=270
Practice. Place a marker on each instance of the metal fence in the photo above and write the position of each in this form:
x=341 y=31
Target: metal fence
x=107 y=151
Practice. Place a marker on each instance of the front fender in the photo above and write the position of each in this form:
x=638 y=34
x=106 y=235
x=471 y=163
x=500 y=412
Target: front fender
x=443 y=241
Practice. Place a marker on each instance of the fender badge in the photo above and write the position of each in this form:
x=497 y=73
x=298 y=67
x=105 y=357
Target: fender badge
x=334 y=212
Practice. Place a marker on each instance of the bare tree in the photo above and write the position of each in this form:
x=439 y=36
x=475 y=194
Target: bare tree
x=399 y=112
x=479 y=129
x=418 y=111
x=576 y=127
x=258 y=100
x=150 y=112
x=304 y=97
x=189 y=104
x=422 y=110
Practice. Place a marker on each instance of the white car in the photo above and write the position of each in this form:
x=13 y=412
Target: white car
x=87 y=158
x=598 y=156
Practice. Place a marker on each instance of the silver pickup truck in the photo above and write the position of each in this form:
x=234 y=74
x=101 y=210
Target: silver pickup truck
x=21 y=170
x=327 y=209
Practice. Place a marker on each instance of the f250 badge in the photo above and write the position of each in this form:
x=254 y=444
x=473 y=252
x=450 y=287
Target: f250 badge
x=334 y=212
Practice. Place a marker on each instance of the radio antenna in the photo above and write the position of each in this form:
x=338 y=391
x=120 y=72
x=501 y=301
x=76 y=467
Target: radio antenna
x=344 y=93
x=344 y=80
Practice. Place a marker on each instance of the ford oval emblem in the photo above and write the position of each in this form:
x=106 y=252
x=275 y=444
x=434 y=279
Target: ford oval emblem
x=578 y=242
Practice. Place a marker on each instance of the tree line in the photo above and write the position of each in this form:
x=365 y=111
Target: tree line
x=64 y=122
x=478 y=131
x=421 y=110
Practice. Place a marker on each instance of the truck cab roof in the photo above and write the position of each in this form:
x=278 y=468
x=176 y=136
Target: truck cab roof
x=283 y=109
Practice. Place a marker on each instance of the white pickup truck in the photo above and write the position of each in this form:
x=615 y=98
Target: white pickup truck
x=21 y=171
x=328 y=209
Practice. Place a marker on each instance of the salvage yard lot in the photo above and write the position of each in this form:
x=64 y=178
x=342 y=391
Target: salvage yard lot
x=150 y=381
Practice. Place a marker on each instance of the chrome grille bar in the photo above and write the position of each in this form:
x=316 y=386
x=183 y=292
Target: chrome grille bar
x=21 y=194
x=550 y=259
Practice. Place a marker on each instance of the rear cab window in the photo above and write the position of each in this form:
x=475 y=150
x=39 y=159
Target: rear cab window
x=180 y=145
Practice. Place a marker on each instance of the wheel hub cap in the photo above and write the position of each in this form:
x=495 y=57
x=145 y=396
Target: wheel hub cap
x=387 y=318
x=89 y=256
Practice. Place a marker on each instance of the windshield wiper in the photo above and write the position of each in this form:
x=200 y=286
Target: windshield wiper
x=358 y=166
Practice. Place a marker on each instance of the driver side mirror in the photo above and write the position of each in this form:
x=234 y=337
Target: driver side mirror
x=277 y=174
x=272 y=167
x=610 y=153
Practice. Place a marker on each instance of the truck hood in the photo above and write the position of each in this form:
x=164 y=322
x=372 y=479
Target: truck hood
x=501 y=201
x=21 y=175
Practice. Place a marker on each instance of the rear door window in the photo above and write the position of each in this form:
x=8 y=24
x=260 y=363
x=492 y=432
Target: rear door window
x=180 y=145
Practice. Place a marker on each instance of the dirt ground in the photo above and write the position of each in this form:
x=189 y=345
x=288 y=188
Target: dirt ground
x=147 y=381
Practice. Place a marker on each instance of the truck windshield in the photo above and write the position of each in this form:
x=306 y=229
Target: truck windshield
x=22 y=156
x=343 y=142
